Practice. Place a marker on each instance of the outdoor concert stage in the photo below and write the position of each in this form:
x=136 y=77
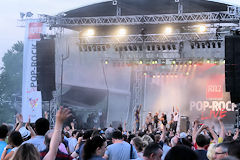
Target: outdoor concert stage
x=166 y=54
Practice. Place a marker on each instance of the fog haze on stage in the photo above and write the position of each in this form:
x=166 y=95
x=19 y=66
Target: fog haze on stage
x=87 y=80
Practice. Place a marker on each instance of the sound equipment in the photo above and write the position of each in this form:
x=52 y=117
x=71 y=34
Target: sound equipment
x=46 y=68
x=232 y=67
x=184 y=124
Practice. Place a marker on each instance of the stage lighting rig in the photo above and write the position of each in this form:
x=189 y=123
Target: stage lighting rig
x=168 y=30
x=122 y=32
x=29 y=14
x=237 y=110
x=89 y=33
x=202 y=28
x=22 y=15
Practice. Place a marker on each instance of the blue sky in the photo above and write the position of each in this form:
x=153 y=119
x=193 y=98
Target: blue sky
x=10 y=9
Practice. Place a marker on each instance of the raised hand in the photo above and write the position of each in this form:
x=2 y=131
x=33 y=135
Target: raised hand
x=62 y=114
x=46 y=114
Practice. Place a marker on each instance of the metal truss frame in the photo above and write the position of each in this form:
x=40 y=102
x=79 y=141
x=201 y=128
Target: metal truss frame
x=201 y=17
x=137 y=93
x=153 y=38
x=54 y=103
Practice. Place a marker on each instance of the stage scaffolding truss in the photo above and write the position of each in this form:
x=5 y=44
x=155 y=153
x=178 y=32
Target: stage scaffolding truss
x=153 y=38
x=137 y=79
x=201 y=17
x=137 y=93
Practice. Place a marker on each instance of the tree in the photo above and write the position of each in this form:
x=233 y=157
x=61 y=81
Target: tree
x=10 y=81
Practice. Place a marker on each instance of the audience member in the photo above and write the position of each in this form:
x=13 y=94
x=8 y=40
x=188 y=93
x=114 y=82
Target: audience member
x=120 y=149
x=94 y=148
x=152 y=152
x=41 y=127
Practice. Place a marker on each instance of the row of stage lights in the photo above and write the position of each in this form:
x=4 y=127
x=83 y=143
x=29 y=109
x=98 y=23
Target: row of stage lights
x=153 y=47
x=99 y=48
x=173 y=63
x=90 y=32
x=203 y=45
x=166 y=75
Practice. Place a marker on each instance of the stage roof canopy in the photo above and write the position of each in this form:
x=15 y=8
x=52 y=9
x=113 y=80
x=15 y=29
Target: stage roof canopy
x=145 y=7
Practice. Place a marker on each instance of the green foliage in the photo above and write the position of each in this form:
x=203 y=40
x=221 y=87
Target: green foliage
x=10 y=81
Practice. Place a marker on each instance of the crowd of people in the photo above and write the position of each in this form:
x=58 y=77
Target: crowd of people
x=37 y=141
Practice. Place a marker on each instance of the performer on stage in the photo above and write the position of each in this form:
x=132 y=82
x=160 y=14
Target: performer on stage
x=137 y=116
x=171 y=123
x=149 y=120
x=156 y=119
x=175 y=120
x=164 y=119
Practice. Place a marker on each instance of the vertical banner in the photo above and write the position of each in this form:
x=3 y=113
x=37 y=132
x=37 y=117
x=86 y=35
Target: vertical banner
x=31 y=98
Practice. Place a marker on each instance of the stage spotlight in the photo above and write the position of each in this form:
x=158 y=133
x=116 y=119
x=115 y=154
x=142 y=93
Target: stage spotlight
x=153 y=47
x=198 y=45
x=214 y=44
x=173 y=62
x=22 y=15
x=29 y=14
x=106 y=62
x=98 y=48
x=156 y=61
x=192 y=45
x=125 y=48
x=145 y=74
x=140 y=62
x=89 y=33
x=80 y=49
x=130 y=48
x=89 y=48
x=169 y=47
x=168 y=30
x=163 y=47
x=122 y=32
x=148 y=48
x=135 y=48
x=153 y=62
x=202 y=28
x=189 y=62
x=85 y=48
x=208 y=44
x=223 y=61
x=195 y=65
x=174 y=47
x=121 y=48
x=187 y=73
x=154 y=76
x=208 y=61
x=103 y=48
x=94 y=48
x=163 y=61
